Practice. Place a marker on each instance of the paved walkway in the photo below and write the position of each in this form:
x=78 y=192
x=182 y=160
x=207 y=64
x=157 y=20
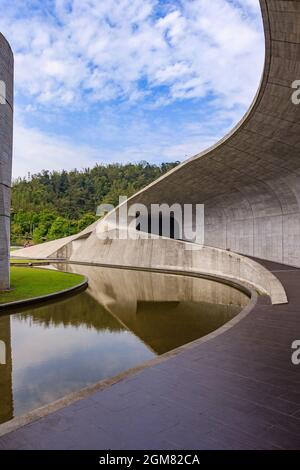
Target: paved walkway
x=236 y=391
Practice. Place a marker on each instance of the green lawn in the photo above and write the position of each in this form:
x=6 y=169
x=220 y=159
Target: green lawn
x=32 y=282
x=26 y=261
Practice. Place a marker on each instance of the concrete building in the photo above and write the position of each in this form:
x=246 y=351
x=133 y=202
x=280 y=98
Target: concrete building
x=6 y=128
x=249 y=182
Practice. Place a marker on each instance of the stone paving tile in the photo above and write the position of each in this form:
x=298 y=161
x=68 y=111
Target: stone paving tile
x=237 y=391
x=282 y=438
x=184 y=439
x=237 y=439
x=293 y=395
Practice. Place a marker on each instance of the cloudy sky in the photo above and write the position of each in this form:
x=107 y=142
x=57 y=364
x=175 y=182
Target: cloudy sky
x=128 y=80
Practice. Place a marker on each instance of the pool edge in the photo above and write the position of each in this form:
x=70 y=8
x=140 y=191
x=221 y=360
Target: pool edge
x=45 y=410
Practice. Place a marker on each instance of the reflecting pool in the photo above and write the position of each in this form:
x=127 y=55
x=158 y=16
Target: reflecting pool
x=123 y=319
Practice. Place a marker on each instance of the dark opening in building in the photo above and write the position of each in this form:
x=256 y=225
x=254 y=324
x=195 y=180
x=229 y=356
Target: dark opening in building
x=157 y=226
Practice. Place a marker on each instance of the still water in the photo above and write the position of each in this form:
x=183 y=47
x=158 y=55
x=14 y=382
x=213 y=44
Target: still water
x=123 y=319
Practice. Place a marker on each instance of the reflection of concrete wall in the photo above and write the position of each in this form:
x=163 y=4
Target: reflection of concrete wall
x=69 y=249
x=173 y=254
x=77 y=311
x=164 y=311
x=6 y=124
x=163 y=254
x=121 y=290
x=6 y=397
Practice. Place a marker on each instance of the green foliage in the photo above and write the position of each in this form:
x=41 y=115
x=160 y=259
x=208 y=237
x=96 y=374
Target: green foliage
x=59 y=228
x=85 y=221
x=56 y=204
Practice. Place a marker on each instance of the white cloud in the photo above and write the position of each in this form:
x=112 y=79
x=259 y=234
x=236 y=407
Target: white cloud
x=35 y=150
x=83 y=54
x=104 y=49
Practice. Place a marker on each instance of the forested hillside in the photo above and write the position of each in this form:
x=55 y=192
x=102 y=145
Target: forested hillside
x=51 y=205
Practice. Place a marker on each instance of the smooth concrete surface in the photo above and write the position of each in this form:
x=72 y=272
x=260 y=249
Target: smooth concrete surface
x=239 y=390
x=47 y=250
x=163 y=253
x=250 y=181
x=120 y=291
x=61 y=248
x=125 y=294
x=6 y=128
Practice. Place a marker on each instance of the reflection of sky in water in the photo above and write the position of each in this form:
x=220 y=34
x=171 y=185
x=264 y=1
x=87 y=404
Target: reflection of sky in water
x=122 y=320
x=49 y=363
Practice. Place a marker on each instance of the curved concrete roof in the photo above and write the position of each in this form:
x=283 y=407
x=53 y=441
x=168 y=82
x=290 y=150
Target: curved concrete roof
x=250 y=181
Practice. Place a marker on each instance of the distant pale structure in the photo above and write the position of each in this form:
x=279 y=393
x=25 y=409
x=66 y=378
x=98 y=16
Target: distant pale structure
x=6 y=132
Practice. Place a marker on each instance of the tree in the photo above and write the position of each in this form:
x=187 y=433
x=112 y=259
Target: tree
x=85 y=221
x=55 y=204
x=59 y=228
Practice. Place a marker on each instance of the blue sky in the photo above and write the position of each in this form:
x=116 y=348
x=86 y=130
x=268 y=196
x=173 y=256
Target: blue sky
x=128 y=80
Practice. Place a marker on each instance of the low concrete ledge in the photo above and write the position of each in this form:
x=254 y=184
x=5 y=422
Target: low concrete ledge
x=166 y=254
x=43 y=250
x=243 y=287
x=30 y=263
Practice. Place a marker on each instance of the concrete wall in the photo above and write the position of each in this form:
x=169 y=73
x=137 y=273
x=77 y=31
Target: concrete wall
x=250 y=181
x=6 y=127
x=163 y=253
x=62 y=248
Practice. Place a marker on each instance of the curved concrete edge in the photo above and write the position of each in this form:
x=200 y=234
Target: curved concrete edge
x=71 y=398
x=8 y=307
x=255 y=210
x=33 y=263
x=167 y=254
x=5 y=41
x=238 y=126
x=44 y=250
x=59 y=249
x=263 y=280
x=162 y=253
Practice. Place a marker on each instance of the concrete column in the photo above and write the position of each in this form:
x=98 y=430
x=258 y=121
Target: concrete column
x=6 y=134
